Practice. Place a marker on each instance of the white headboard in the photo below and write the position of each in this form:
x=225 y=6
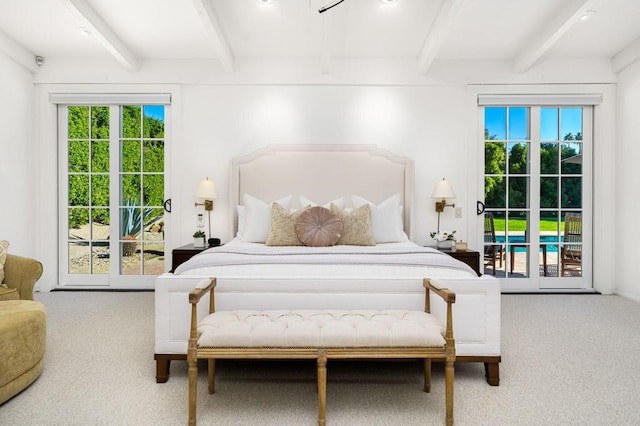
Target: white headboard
x=323 y=173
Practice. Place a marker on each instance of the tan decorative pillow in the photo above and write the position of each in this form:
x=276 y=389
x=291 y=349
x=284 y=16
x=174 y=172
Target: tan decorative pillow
x=318 y=227
x=356 y=226
x=283 y=227
x=4 y=245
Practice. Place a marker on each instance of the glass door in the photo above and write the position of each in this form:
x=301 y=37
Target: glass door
x=537 y=190
x=112 y=190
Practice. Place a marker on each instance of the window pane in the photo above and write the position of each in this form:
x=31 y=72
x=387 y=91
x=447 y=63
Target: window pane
x=153 y=258
x=495 y=192
x=495 y=123
x=549 y=227
x=100 y=122
x=572 y=158
x=131 y=261
x=153 y=190
x=79 y=258
x=78 y=190
x=154 y=224
x=131 y=222
x=100 y=156
x=494 y=226
x=100 y=224
x=549 y=192
x=495 y=154
x=78 y=122
x=519 y=158
x=130 y=190
x=548 y=158
x=131 y=156
x=154 y=121
x=549 y=124
x=100 y=190
x=100 y=258
x=78 y=218
x=131 y=121
x=571 y=123
x=78 y=156
x=518 y=123
x=571 y=192
x=518 y=192
x=153 y=156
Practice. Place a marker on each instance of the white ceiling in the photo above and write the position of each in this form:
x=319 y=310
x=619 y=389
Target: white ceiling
x=129 y=31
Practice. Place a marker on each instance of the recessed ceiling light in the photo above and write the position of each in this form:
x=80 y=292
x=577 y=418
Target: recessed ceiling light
x=265 y=1
x=588 y=14
x=388 y=1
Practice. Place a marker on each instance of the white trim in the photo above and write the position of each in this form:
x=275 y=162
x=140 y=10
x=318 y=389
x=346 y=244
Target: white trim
x=540 y=99
x=110 y=98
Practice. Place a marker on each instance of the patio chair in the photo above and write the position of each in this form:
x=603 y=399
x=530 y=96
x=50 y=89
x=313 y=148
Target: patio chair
x=571 y=250
x=492 y=252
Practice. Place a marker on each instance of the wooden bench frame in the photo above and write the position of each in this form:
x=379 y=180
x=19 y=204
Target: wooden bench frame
x=321 y=354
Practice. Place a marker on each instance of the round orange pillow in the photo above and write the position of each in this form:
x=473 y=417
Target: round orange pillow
x=318 y=227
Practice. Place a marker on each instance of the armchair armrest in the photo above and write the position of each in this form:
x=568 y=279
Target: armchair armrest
x=22 y=273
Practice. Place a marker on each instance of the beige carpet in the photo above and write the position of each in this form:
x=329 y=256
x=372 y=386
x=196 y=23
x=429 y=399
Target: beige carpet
x=567 y=360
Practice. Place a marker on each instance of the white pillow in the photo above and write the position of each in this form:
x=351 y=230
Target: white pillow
x=386 y=219
x=304 y=202
x=241 y=219
x=257 y=218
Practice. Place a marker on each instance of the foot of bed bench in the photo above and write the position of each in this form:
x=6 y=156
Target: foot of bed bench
x=163 y=364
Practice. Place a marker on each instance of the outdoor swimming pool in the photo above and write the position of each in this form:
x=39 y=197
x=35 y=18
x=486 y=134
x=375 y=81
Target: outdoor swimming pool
x=548 y=240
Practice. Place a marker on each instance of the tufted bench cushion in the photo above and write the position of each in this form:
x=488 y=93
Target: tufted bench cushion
x=314 y=329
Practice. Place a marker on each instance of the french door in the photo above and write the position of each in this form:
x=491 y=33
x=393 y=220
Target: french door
x=537 y=196
x=112 y=186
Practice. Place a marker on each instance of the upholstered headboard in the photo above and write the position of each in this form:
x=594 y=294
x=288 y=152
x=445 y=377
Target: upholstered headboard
x=323 y=173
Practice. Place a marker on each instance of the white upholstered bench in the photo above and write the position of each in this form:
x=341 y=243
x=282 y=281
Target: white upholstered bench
x=320 y=335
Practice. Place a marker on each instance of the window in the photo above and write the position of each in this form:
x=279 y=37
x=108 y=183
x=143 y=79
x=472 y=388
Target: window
x=537 y=195
x=112 y=162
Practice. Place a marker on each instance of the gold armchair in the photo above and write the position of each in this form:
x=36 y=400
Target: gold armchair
x=20 y=277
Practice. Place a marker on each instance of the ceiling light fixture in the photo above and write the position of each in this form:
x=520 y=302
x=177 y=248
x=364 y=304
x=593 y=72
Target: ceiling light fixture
x=388 y=1
x=588 y=14
x=265 y=1
x=325 y=8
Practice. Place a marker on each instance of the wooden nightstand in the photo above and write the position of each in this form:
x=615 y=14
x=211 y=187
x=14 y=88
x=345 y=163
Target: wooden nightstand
x=182 y=254
x=470 y=257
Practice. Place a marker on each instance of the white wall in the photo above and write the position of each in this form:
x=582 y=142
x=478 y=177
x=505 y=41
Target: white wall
x=219 y=116
x=17 y=160
x=627 y=203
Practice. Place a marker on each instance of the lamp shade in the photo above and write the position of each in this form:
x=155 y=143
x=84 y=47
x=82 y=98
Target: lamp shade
x=207 y=190
x=443 y=190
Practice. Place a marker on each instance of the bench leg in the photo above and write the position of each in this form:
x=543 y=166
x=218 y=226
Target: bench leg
x=448 y=380
x=427 y=375
x=492 y=373
x=211 y=374
x=322 y=387
x=193 y=383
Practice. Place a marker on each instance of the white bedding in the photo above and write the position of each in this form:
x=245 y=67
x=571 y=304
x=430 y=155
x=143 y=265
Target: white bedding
x=238 y=259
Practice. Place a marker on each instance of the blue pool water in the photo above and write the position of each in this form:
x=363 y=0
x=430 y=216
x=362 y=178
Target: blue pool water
x=544 y=239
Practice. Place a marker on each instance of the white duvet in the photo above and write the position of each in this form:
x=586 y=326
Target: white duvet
x=238 y=259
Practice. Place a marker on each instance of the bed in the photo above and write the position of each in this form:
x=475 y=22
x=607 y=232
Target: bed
x=386 y=275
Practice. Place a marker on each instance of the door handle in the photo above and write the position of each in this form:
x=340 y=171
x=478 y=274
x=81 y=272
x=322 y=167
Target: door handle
x=480 y=207
x=167 y=205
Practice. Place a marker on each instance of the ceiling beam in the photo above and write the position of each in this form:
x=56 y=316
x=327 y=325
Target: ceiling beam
x=17 y=52
x=438 y=33
x=626 y=56
x=104 y=34
x=210 y=20
x=563 y=19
